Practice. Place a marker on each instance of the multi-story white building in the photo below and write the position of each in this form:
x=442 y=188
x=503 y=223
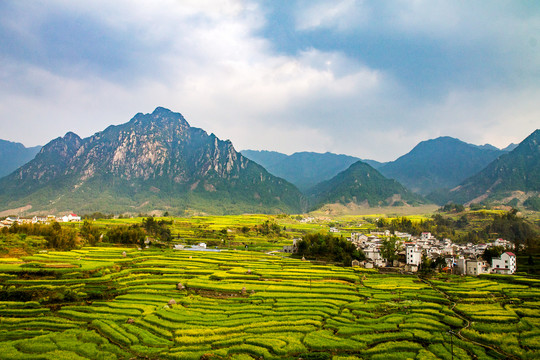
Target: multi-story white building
x=413 y=254
x=505 y=264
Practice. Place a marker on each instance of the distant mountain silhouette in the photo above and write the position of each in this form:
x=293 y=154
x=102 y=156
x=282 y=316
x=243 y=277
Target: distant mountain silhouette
x=303 y=169
x=518 y=170
x=14 y=155
x=439 y=163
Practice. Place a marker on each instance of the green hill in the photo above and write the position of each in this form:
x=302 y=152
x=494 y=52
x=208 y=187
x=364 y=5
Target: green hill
x=361 y=184
x=303 y=169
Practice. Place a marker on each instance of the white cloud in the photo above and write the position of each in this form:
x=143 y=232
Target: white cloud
x=215 y=71
x=210 y=63
x=341 y=15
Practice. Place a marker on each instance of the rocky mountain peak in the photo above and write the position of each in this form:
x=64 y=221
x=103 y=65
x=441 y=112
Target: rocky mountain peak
x=160 y=116
x=156 y=156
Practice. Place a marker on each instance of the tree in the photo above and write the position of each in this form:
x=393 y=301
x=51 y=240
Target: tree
x=90 y=232
x=389 y=248
x=492 y=252
x=328 y=247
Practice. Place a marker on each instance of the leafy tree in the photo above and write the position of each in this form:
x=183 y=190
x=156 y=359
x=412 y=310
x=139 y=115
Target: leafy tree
x=533 y=203
x=124 y=234
x=90 y=232
x=157 y=229
x=452 y=208
x=381 y=222
x=329 y=247
x=268 y=228
x=462 y=222
x=389 y=248
x=514 y=228
x=492 y=252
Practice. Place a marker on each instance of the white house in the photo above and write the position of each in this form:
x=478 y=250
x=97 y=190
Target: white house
x=373 y=254
x=69 y=217
x=505 y=264
x=73 y=217
x=413 y=254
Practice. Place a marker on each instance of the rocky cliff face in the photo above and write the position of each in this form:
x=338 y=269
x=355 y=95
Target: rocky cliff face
x=52 y=161
x=156 y=153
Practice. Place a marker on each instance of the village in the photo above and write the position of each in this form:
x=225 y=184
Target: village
x=10 y=220
x=459 y=259
x=411 y=250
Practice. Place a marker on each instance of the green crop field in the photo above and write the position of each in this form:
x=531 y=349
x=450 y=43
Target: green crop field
x=96 y=303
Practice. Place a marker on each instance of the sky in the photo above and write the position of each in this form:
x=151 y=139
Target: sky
x=364 y=78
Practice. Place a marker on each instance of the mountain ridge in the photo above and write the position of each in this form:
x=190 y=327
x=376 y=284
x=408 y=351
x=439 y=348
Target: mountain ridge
x=304 y=169
x=439 y=163
x=361 y=184
x=517 y=170
x=153 y=161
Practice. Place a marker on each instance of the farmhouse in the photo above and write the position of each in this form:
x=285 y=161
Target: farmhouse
x=505 y=264
x=413 y=254
x=291 y=248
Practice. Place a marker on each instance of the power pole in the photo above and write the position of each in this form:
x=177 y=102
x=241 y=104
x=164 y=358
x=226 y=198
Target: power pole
x=451 y=343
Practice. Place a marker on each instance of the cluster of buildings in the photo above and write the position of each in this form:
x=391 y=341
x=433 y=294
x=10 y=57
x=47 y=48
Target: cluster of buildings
x=458 y=259
x=7 y=222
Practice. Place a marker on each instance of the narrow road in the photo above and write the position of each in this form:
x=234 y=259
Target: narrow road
x=468 y=324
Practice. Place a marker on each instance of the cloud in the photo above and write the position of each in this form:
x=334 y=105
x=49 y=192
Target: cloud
x=340 y=15
x=214 y=70
x=81 y=66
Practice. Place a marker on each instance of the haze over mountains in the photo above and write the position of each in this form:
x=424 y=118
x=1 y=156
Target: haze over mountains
x=158 y=162
x=13 y=155
x=514 y=175
x=303 y=169
x=439 y=163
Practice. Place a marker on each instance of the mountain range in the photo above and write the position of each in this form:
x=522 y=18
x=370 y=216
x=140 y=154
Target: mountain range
x=512 y=175
x=303 y=169
x=439 y=163
x=155 y=161
x=361 y=184
x=13 y=155
x=158 y=162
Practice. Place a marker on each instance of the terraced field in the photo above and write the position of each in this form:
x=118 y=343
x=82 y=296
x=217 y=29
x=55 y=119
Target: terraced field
x=121 y=303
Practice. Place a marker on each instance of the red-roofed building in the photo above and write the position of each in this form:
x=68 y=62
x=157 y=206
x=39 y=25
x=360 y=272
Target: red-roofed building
x=70 y=217
x=505 y=264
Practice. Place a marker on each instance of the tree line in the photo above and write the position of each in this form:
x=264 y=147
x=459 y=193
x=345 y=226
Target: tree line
x=329 y=248
x=67 y=237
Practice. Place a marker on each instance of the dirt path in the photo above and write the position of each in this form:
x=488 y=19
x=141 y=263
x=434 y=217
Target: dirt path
x=468 y=324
